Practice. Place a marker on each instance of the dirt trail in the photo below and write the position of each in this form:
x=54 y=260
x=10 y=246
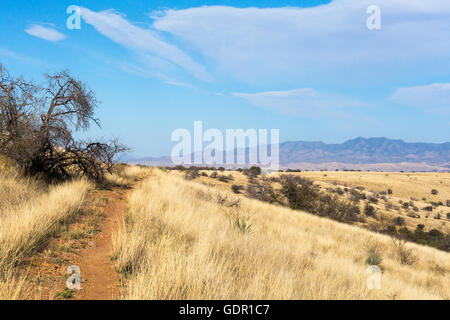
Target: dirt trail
x=99 y=279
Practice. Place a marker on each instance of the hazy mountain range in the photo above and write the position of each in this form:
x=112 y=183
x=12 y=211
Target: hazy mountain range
x=362 y=153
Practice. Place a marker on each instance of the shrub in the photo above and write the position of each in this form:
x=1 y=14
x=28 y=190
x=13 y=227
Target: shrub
x=389 y=191
x=405 y=255
x=448 y=203
x=373 y=200
x=237 y=188
x=374 y=257
x=434 y=192
x=420 y=227
x=405 y=205
x=369 y=210
x=399 y=221
x=413 y=215
x=255 y=171
x=191 y=174
x=428 y=208
x=300 y=194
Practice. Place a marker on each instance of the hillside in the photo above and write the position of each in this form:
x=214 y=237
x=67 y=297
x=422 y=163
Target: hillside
x=188 y=240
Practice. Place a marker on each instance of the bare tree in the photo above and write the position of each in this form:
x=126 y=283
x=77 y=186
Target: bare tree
x=37 y=125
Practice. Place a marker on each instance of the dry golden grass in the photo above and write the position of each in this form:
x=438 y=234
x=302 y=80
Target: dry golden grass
x=406 y=186
x=29 y=216
x=125 y=176
x=185 y=240
x=403 y=184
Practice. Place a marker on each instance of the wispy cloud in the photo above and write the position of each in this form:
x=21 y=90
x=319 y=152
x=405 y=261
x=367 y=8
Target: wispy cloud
x=431 y=98
x=147 y=44
x=304 y=101
x=6 y=54
x=258 y=44
x=45 y=33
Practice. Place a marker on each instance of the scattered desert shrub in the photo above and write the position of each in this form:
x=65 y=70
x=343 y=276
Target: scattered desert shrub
x=302 y=195
x=434 y=192
x=191 y=174
x=169 y=257
x=399 y=221
x=369 y=210
x=237 y=188
x=373 y=200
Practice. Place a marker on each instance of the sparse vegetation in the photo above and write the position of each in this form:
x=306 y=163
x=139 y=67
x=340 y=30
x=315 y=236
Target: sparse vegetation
x=167 y=257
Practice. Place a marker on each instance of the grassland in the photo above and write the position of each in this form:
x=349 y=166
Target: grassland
x=190 y=240
x=33 y=213
x=196 y=238
x=30 y=214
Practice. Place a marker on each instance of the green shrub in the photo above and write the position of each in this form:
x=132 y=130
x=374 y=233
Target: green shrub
x=374 y=257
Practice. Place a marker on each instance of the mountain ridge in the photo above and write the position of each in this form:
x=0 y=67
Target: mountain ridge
x=357 y=151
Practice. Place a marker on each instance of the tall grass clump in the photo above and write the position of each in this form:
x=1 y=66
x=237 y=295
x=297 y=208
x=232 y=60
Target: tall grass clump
x=27 y=228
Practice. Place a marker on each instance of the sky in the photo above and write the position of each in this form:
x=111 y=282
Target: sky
x=312 y=69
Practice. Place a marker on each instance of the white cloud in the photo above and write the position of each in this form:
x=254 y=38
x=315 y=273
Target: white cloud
x=432 y=98
x=45 y=33
x=145 y=43
x=305 y=101
x=257 y=44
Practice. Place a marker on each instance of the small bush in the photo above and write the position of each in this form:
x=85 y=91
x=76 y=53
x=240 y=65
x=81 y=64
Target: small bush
x=434 y=192
x=405 y=255
x=399 y=221
x=369 y=210
x=389 y=191
x=237 y=188
x=373 y=200
x=255 y=171
x=428 y=208
x=374 y=257
x=191 y=174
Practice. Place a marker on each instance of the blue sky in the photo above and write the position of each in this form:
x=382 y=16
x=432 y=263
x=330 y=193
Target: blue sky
x=309 y=68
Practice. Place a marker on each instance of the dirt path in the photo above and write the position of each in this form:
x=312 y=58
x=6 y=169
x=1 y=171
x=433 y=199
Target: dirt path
x=99 y=279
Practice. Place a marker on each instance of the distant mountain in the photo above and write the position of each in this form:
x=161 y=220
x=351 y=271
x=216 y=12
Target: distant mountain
x=366 y=151
x=374 y=153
